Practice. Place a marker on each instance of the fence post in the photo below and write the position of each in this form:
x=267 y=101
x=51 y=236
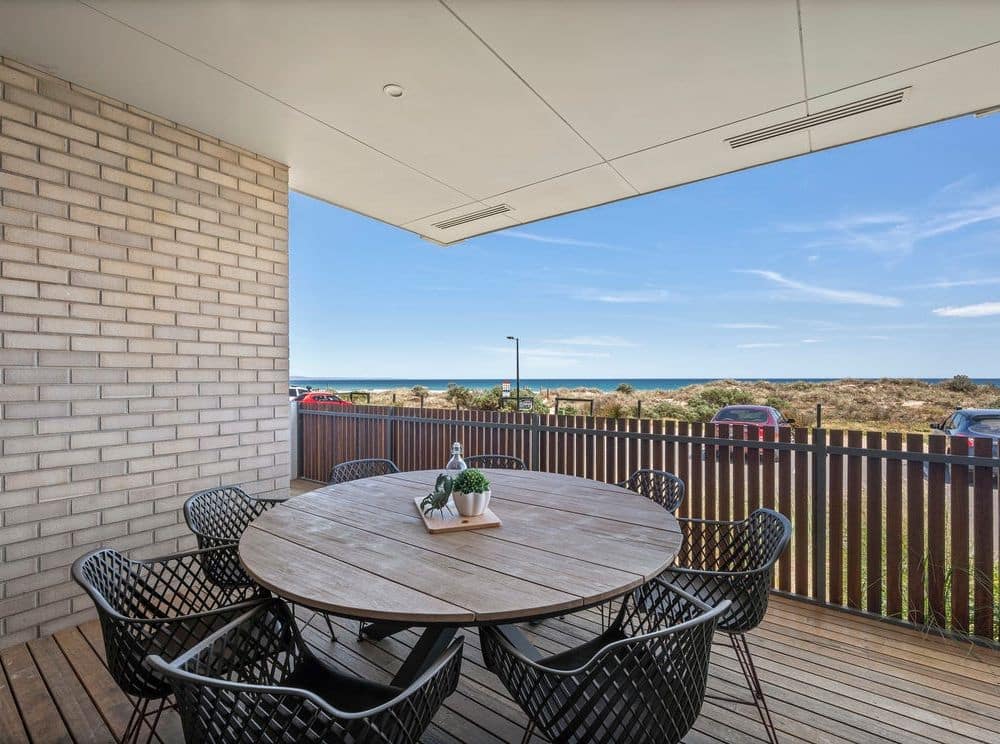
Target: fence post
x=299 y=458
x=357 y=439
x=819 y=478
x=390 y=426
x=536 y=443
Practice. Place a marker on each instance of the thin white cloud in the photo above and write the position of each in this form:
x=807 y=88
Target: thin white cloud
x=980 y=310
x=826 y=294
x=760 y=345
x=608 y=341
x=746 y=326
x=557 y=240
x=810 y=340
x=876 y=338
x=846 y=223
x=626 y=297
x=950 y=283
x=951 y=209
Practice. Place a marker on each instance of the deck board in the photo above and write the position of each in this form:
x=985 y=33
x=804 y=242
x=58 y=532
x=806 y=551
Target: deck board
x=830 y=677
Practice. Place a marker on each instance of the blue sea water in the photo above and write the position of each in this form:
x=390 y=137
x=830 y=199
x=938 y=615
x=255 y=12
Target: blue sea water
x=602 y=384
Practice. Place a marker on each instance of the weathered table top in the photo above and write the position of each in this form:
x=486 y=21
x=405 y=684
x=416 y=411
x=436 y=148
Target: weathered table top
x=360 y=550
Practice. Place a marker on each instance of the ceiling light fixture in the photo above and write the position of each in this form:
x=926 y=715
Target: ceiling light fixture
x=392 y=90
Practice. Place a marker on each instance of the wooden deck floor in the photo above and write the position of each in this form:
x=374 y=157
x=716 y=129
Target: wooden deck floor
x=830 y=677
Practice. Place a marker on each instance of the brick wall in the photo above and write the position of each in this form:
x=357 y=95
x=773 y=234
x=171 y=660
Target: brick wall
x=143 y=334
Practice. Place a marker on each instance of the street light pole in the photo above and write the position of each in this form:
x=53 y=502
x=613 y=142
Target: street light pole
x=517 y=368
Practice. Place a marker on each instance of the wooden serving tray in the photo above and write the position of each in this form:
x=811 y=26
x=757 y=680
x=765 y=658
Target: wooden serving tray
x=445 y=522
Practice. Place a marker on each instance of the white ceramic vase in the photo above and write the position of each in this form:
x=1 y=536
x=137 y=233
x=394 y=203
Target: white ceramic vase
x=471 y=504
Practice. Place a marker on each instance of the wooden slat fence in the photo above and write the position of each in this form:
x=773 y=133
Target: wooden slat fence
x=885 y=524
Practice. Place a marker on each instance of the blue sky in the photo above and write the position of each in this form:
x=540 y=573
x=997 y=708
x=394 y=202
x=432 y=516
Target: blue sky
x=881 y=258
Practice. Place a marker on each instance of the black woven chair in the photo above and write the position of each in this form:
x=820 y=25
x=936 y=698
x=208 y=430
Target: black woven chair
x=666 y=489
x=357 y=469
x=642 y=680
x=220 y=516
x=160 y=606
x=735 y=561
x=659 y=486
x=502 y=462
x=256 y=682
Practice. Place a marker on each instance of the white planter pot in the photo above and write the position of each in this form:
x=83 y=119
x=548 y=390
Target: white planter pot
x=471 y=504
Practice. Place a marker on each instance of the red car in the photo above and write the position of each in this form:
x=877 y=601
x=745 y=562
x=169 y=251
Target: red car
x=763 y=417
x=323 y=399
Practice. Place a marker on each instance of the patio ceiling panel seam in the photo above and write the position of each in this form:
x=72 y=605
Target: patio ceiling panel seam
x=927 y=63
x=541 y=98
x=486 y=199
x=802 y=64
x=804 y=102
x=274 y=98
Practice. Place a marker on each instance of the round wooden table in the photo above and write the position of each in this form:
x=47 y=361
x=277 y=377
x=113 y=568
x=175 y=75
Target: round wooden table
x=360 y=550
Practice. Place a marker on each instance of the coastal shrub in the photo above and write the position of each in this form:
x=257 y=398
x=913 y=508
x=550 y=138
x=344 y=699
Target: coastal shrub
x=800 y=385
x=490 y=400
x=881 y=412
x=486 y=400
x=612 y=405
x=725 y=396
x=625 y=389
x=420 y=391
x=776 y=401
x=459 y=395
x=700 y=409
x=665 y=410
x=961 y=384
x=568 y=411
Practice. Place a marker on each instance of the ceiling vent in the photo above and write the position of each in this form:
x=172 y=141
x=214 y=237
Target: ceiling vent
x=472 y=216
x=821 y=117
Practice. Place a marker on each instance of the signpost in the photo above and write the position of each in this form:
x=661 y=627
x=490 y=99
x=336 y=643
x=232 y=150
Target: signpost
x=524 y=405
x=505 y=389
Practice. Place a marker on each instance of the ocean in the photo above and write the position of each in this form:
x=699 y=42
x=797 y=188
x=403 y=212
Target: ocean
x=376 y=384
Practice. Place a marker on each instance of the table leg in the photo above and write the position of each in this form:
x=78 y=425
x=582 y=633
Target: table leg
x=431 y=644
x=379 y=629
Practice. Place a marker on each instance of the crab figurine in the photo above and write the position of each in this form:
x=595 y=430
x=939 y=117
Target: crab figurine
x=438 y=499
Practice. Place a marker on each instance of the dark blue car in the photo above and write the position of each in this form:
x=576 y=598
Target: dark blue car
x=974 y=423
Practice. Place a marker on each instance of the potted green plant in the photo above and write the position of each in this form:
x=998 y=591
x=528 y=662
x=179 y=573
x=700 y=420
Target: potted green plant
x=471 y=493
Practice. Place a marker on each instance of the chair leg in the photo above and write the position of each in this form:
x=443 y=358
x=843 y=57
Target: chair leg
x=141 y=711
x=156 y=721
x=527 y=732
x=743 y=655
x=131 y=733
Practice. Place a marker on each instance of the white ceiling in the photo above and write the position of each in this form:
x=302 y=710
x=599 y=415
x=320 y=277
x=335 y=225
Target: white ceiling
x=544 y=106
